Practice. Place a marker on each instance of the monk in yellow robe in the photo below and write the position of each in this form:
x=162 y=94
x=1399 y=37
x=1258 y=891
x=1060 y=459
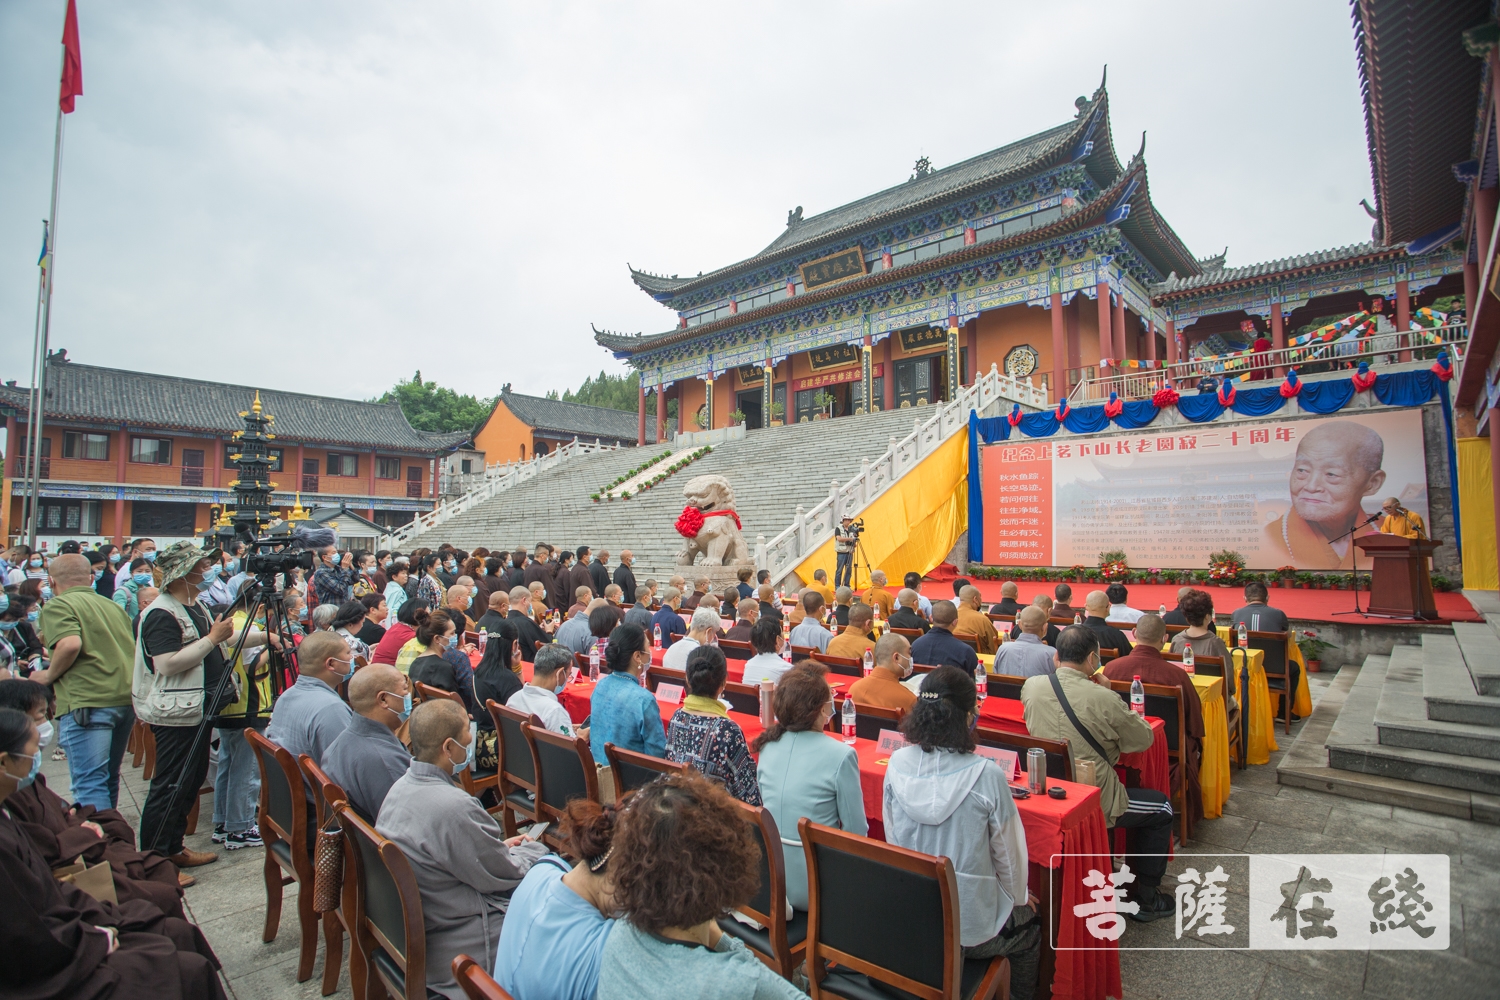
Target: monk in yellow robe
x=1337 y=465
x=1400 y=521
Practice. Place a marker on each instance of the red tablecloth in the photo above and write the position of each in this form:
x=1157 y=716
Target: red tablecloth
x=1005 y=714
x=1065 y=838
x=735 y=668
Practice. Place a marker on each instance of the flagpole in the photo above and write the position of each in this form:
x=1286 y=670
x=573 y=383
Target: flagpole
x=40 y=348
x=23 y=466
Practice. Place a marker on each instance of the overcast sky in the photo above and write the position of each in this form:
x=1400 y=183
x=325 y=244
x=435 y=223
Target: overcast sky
x=326 y=196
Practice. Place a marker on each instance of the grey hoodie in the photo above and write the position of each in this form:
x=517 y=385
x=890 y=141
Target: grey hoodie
x=958 y=805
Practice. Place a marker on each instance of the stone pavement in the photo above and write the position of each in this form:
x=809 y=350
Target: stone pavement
x=1260 y=816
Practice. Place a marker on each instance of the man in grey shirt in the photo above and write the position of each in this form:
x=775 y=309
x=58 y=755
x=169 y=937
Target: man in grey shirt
x=1257 y=615
x=1027 y=655
x=310 y=715
x=808 y=631
x=367 y=758
x=574 y=633
x=640 y=613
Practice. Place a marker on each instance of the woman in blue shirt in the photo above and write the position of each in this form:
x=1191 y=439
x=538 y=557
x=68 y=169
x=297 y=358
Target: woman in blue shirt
x=623 y=711
x=556 y=926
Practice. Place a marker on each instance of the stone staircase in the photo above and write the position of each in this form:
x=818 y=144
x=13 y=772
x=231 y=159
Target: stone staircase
x=772 y=471
x=1418 y=728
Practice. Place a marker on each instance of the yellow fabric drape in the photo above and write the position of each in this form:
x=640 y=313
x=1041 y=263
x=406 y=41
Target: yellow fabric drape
x=1213 y=773
x=1476 y=512
x=912 y=526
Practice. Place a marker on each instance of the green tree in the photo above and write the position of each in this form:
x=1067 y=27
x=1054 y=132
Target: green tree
x=431 y=407
x=615 y=392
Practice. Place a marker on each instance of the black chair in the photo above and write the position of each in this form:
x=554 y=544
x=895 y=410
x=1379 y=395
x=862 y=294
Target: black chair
x=846 y=665
x=854 y=884
x=1005 y=686
x=516 y=773
x=388 y=928
x=736 y=646
x=782 y=943
x=631 y=770
x=869 y=720
x=911 y=634
x=1280 y=671
x=657 y=676
x=1059 y=760
x=283 y=824
x=326 y=795
x=1164 y=701
x=743 y=698
x=565 y=771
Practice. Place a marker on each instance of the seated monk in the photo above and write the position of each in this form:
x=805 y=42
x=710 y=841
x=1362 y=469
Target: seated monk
x=62 y=833
x=60 y=942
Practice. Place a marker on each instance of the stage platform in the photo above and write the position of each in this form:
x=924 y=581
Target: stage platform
x=1301 y=605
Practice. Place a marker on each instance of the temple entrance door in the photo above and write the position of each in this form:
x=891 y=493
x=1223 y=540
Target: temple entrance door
x=748 y=401
x=920 y=381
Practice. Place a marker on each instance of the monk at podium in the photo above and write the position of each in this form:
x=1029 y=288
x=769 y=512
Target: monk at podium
x=1400 y=521
x=1337 y=465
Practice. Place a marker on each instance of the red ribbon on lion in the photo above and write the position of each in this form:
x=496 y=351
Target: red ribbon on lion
x=692 y=519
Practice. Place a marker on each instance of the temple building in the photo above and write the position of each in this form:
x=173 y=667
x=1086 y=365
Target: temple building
x=1045 y=258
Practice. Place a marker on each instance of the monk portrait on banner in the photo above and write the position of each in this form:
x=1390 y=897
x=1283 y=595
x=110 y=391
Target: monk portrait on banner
x=1337 y=465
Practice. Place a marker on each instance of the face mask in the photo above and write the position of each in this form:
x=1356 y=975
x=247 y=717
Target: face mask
x=114 y=557
x=8 y=626
x=140 y=579
x=544 y=593
x=457 y=768
x=387 y=564
x=33 y=615
x=45 y=729
x=36 y=562
x=150 y=557
x=469 y=603
x=453 y=641
x=232 y=567
x=97 y=574
x=46 y=593
x=405 y=706
x=208 y=578
x=36 y=767
x=342 y=676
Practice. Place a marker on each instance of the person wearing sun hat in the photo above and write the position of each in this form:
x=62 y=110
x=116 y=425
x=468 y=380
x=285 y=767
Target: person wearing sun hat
x=181 y=654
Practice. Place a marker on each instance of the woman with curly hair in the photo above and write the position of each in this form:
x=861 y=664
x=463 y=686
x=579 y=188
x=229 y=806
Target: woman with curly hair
x=560 y=916
x=942 y=798
x=684 y=856
x=703 y=735
x=1198 y=608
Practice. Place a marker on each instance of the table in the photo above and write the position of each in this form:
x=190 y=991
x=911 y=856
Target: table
x=1073 y=826
x=1302 y=702
x=1154 y=765
x=1213 y=772
x=735 y=668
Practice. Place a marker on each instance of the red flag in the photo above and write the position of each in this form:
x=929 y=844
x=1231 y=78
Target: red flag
x=72 y=72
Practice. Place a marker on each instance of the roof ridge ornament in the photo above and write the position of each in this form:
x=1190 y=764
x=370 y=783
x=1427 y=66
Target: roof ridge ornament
x=793 y=219
x=921 y=168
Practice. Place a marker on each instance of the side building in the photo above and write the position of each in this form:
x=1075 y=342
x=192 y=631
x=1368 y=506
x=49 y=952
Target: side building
x=520 y=427
x=127 y=454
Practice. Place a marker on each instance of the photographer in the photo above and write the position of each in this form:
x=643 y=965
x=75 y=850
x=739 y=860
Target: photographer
x=333 y=581
x=179 y=661
x=844 y=539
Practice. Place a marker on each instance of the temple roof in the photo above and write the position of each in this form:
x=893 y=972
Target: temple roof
x=1322 y=260
x=1420 y=89
x=1142 y=226
x=1033 y=154
x=560 y=417
x=89 y=394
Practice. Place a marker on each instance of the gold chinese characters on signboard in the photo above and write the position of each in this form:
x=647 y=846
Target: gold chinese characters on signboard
x=841 y=266
x=832 y=357
x=751 y=375
x=921 y=338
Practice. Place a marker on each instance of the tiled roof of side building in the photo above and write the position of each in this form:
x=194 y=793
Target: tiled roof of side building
x=142 y=399
x=586 y=421
x=1017 y=159
x=1322 y=259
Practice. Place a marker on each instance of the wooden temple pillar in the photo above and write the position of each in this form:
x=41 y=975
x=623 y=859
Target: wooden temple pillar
x=1121 y=349
x=640 y=413
x=890 y=380
x=1278 y=336
x=1151 y=339
x=1403 y=312
x=1106 y=333
x=1172 y=357
x=1059 y=350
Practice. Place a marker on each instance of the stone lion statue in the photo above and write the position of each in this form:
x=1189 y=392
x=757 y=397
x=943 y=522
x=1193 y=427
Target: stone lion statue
x=709 y=525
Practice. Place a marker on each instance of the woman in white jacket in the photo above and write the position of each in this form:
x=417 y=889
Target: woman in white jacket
x=941 y=798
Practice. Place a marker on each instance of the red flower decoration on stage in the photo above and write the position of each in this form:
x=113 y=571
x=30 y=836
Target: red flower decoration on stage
x=1363 y=379
x=1014 y=416
x=1443 y=368
x=1226 y=392
x=690 y=522
x=1291 y=386
x=1114 y=407
x=1165 y=396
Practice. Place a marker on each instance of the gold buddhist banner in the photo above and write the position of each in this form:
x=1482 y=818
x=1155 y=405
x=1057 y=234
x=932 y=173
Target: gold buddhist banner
x=837 y=267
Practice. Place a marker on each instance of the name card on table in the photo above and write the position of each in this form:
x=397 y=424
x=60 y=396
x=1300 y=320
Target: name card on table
x=1009 y=760
x=669 y=693
x=891 y=741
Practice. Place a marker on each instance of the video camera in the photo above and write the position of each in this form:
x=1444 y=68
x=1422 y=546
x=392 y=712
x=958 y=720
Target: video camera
x=271 y=555
x=856 y=527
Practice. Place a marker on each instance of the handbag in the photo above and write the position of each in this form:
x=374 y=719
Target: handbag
x=96 y=880
x=487 y=751
x=328 y=870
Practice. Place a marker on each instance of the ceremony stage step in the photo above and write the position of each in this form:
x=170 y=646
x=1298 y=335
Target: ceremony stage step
x=1481 y=652
x=1448 y=686
x=1402 y=716
x=772 y=472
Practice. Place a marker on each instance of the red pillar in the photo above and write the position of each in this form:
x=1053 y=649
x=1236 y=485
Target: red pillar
x=1171 y=342
x=374 y=461
x=890 y=381
x=1106 y=333
x=1121 y=348
x=1151 y=340
x=661 y=415
x=973 y=346
x=1059 y=349
x=119 y=536
x=1484 y=227
x=297 y=480
x=1471 y=291
x=1403 y=312
x=640 y=415
x=1278 y=335
x=122 y=452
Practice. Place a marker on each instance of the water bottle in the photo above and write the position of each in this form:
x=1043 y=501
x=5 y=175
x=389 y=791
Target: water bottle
x=656 y=636
x=1036 y=770
x=786 y=652
x=1078 y=618
x=1244 y=636
x=981 y=683
x=1138 y=697
x=869 y=661
x=1162 y=611
x=484 y=640
x=594 y=663
x=876 y=610
x=1187 y=657
x=849 y=720
x=767 y=711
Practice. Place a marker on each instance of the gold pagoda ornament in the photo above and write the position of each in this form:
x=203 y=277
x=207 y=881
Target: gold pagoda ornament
x=297 y=513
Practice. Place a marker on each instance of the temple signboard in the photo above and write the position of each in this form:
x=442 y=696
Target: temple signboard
x=834 y=268
x=833 y=357
x=922 y=338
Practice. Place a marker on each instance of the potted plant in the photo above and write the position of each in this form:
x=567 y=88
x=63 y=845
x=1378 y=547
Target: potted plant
x=1305 y=580
x=1076 y=572
x=778 y=412
x=1312 y=649
x=736 y=418
x=1225 y=567
x=1112 y=565
x=1442 y=584
x=1091 y=575
x=824 y=401
x=1284 y=576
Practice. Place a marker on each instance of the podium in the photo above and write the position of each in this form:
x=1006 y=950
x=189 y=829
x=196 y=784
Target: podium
x=1400 y=586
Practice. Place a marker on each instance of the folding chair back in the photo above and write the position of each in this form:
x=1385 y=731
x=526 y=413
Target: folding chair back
x=631 y=770
x=846 y=665
x=564 y=771
x=781 y=943
x=516 y=772
x=1005 y=686
x=742 y=698
x=869 y=720
x=284 y=818
x=736 y=646
x=910 y=633
x=1059 y=760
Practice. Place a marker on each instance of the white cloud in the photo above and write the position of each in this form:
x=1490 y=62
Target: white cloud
x=328 y=196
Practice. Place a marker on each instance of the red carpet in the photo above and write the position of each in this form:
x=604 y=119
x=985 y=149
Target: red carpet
x=1303 y=605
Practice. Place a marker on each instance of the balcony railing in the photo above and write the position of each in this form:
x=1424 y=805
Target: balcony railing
x=309 y=483
x=192 y=475
x=1378 y=350
x=414 y=489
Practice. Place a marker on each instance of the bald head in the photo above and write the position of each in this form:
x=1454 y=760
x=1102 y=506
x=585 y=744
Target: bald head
x=1033 y=620
x=366 y=685
x=499 y=601
x=887 y=647
x=1007 y=590
x=971 y=597
x=433 y=724
x=944 y=613
x=1097 y=604
x=878 y=578
x=1042 y=601
x=860 y=616
x=315 y=652
x=1337 y=465
x=71 y=570
x=909 y=598
x=1183 y=592
x=1151 y=631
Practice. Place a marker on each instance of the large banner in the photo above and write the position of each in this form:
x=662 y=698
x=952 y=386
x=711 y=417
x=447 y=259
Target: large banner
x=1279 y=492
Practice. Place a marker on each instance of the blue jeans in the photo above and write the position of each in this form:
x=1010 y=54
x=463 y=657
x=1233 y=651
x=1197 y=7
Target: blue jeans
x=95 y=751
x=236 y=783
